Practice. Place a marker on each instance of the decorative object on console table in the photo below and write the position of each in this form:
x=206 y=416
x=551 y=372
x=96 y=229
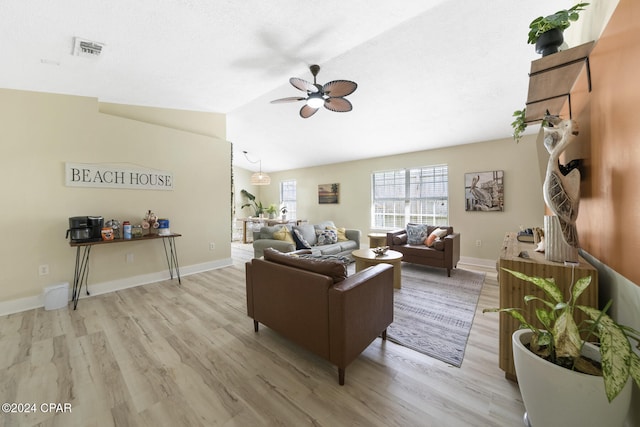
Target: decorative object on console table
x=555 y=248
x=136 y=231
x=513 y=290
x=163 y=227
x=115 y=226
x=561 y=190
x=126 y=228
x=150 y=222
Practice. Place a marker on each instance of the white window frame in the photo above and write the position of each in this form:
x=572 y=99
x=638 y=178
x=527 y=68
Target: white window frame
x=288 y=197
x=417 y=195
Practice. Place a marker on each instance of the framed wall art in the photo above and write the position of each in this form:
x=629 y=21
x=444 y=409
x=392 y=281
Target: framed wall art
x=484 y=191
x=328 y=193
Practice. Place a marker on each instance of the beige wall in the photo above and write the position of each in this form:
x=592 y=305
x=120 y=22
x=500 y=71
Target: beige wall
x=209 y=124
x=523 y=190
x=40 y=132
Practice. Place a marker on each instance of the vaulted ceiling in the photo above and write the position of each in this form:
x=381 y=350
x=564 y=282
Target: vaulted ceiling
x=430 y=73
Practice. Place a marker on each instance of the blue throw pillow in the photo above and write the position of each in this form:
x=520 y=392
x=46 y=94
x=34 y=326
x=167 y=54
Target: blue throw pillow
x=416 y=233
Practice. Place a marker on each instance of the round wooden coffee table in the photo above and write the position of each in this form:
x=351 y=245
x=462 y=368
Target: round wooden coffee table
x=366 y=258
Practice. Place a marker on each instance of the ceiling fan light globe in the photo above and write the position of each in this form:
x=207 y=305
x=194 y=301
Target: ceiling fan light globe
x=315 y=100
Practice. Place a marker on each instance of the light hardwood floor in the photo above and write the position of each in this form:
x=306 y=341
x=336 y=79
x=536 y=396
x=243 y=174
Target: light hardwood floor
x=169 y=355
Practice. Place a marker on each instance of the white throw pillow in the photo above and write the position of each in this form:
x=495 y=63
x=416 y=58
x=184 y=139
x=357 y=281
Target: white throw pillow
x=435 y=235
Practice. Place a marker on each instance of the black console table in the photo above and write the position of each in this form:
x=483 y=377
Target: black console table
x=83 y=250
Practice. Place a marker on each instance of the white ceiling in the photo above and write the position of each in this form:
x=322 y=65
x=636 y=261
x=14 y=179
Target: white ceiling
x=430 y=73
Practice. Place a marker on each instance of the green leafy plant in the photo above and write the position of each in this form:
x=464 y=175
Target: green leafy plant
x=272 y=209
x=560 y=341
x=561 y=20
x=252 y=202
x=519 y=125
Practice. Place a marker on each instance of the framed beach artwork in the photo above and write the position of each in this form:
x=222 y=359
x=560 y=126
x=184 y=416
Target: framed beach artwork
x=328 y=193
x=484 y=191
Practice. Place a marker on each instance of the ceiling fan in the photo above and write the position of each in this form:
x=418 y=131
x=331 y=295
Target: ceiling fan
x=331 y=94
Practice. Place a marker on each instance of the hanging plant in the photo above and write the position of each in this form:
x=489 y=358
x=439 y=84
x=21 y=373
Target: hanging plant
x=519 y=125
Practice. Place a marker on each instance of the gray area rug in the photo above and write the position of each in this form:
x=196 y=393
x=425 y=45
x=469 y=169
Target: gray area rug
x=433 y=313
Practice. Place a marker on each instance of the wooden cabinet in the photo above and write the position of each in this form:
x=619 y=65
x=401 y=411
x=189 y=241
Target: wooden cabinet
x=552 y=79
x=513 y=290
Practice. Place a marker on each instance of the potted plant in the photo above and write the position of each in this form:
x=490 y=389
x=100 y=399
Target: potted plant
x=283 y=211
x=253 y=203
x=549 y=361
x=545 y=32
x=272 y=210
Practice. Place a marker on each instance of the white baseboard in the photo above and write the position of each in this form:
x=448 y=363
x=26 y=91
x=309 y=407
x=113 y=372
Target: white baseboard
x=489 y=264
x=29 y=303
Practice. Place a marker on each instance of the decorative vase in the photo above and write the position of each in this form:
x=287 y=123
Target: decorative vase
x=556 y=396
x=556 y=249
x=549 y=42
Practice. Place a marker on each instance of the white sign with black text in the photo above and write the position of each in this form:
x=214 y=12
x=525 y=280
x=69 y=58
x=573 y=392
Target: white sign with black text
x=104 y=175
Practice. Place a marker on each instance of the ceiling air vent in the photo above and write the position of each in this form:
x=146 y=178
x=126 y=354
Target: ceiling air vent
x=87 y=48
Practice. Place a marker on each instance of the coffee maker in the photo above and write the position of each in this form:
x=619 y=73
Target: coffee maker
x=85 y=228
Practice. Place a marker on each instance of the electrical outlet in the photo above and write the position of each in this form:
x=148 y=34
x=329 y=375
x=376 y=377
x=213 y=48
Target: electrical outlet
x=212 y=246
x=129 y=258
x=43 y=269
x=478 y=243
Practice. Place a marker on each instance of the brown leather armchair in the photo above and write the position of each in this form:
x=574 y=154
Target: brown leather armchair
x=314 y=304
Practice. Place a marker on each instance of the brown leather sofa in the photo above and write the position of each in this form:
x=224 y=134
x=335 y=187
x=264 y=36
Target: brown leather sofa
x=314 y=304
x=445 y=253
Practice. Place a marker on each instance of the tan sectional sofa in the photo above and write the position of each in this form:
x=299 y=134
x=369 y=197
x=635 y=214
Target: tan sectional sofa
x=264 y=238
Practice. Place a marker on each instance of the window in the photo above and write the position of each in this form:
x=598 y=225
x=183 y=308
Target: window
x=419 y=195
x=288 y=197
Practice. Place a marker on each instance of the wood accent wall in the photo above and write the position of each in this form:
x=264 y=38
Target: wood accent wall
x=609 y=120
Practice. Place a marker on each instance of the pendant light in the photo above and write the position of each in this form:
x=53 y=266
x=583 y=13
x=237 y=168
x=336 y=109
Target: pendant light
x=258 y=178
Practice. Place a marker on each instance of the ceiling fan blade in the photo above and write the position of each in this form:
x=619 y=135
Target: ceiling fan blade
x=306 y=111
x=303 y=85
x=339 y=88
x=289 y=99
x=339 y=105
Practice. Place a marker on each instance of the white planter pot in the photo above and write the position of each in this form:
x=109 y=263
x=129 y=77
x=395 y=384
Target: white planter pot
x=555 y=396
